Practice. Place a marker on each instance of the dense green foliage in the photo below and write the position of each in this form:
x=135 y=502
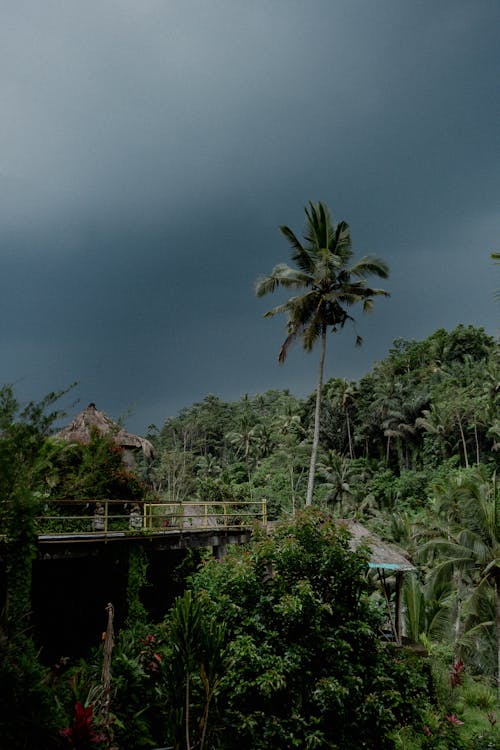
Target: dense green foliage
x=277 y=645
x=393 y=446
x=94 y=470
x=307 y=666
x=430 y=407
x=28 y=711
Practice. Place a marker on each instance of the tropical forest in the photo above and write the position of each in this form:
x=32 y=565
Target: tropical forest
x=289 y=631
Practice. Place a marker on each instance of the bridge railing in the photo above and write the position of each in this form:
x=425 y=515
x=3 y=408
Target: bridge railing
x=97 y=517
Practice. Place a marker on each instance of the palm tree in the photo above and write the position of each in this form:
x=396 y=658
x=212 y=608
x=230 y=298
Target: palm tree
x=470 y=553
x=436 y=421
x=331 y=287
x=338 y=473
x=428 y=610
x=345 y=394
x=248 y=441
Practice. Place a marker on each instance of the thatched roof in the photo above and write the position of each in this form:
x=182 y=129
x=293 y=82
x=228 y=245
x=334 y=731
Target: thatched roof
x=383 y=555
x=90 y=419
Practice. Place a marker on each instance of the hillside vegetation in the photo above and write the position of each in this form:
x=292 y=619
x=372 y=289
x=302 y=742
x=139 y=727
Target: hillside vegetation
x=279 y=644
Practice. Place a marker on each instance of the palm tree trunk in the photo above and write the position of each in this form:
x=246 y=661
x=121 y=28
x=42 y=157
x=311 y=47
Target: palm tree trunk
x=249 y=476
x=317 y=414
x=464 y=443
x=400 y=453
x=477 y=443
x=351 y=452
x=292 y=489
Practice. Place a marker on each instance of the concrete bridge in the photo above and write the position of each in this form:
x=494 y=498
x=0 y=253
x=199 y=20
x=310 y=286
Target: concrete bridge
x=67 y=527
x=83 y=553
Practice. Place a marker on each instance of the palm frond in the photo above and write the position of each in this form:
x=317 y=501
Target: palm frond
x=324 y=225
x=300 y=255
x=440 y=613
x=286 y=345
x=442 y=573
x=370 y=265
x=288 y=307
x=414 y=608
x=492 y=567
x=313 y=229
x=443 y=548
x=311 y=333
x=342 y=243
x=478 y=647
x=281 y=275
x=472 y=541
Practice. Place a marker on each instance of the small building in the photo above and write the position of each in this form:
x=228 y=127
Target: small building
x=91 y=419
x=388 y=561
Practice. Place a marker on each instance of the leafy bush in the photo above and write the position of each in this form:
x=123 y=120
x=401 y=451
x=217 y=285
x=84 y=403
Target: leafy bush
x=29 y=714
x=307 y=669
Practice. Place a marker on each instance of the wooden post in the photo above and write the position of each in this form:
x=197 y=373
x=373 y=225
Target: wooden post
x=397 y=614
x=109 y=642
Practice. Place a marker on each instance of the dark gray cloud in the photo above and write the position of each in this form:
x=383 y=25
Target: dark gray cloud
x=149 y=151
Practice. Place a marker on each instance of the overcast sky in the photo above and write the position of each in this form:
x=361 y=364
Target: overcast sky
x=150 y=149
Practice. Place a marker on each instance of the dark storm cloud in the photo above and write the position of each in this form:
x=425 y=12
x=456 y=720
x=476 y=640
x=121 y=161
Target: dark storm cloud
x=149 y=151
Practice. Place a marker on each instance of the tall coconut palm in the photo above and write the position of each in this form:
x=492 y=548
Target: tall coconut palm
x=330 y=285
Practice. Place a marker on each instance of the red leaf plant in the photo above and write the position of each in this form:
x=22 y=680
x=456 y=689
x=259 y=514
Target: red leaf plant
x=81 y=735
x=456 y=673
x=453 y=720
x=150 y=658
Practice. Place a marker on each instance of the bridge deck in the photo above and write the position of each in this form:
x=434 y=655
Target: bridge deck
x=69 y=523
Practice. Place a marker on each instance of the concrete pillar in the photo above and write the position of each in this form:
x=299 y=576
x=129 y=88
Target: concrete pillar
x=219 y=551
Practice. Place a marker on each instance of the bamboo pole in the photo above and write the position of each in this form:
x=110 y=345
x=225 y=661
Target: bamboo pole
x=109 y=642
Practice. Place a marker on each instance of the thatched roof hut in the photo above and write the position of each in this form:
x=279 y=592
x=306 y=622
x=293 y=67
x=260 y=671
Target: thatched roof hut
x=91 y=419
x=388 y=561
x=383 y=556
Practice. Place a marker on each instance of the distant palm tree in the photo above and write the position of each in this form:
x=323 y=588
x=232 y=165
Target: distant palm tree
x=338 y=473
x=247 y=440
x=345 y=394
x=436 y=420
x=331 y=287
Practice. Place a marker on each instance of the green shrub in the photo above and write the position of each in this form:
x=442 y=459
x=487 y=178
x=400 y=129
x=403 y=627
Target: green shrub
x=307 y=668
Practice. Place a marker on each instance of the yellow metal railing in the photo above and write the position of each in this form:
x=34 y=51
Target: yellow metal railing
x=98 y=517
x=199 y=515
